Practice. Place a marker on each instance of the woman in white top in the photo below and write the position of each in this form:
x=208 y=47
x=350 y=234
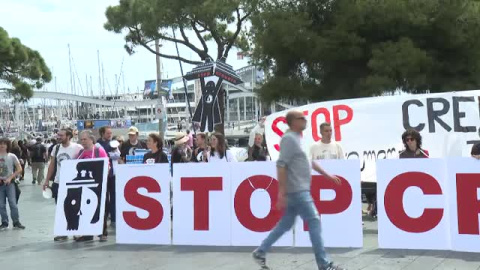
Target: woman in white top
x=218 y=151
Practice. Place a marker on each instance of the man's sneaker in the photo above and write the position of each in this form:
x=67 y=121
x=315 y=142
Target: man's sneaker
x=331 y=266
x=18 y=225
x=260 y=259
x=60 y=238
x=4 y=226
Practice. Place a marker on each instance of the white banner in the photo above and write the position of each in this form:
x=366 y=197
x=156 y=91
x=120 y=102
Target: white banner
x=254 y=199
x=464 y=203
x=81 y=197
x=371 y=128
x=339 y=206
x=143 y=204
x=412 y=204
x=201 y=203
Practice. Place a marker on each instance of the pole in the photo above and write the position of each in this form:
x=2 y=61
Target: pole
x=161 y=106
x=184 y=84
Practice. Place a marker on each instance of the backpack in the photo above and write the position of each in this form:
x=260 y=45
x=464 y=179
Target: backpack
x=57 y=148
x=37 y=152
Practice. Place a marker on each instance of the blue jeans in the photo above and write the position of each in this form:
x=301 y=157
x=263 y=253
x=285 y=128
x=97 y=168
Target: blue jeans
x=299 y=203
x=8 y=192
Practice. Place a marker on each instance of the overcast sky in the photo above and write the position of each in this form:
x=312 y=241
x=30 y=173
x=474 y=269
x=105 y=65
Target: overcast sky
x=48 y=26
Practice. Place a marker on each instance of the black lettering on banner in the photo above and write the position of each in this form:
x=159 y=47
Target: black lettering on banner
x=457 y=115
x=406 y=116
x=372 y=155
x=434 y=115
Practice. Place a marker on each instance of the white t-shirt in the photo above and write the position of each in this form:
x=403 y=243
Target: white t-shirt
x=65 y=153
x=332 y=150
x=229 y=157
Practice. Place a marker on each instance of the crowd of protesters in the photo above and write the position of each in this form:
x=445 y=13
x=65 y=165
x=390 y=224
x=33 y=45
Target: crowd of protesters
x=185 y=147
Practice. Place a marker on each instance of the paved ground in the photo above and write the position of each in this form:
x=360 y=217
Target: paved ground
x=34 y=249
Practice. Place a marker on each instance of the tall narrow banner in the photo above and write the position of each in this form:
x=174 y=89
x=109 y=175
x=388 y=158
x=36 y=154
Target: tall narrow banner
x=201 y=203
x=81 y=199
x=412 y=204
x=339 y=206
x=370 y=128
x=254 y=198
x=143 y=204
x=464 y=203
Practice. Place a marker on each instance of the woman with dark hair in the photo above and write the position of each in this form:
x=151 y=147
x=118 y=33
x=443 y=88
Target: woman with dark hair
x=219 y=151
x=413 y=145
x=156 y=154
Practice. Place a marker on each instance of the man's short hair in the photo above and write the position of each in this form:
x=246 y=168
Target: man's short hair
x=68 y=132
x=103 y=129
x=325 y=124
x=290 y=117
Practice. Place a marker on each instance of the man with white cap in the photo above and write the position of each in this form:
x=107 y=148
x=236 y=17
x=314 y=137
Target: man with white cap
x=129 y=147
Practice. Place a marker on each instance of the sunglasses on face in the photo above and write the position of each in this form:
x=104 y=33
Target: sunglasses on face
x=409 y=139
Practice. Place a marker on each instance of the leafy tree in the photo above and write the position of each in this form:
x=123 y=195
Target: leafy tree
x=220 y=21
x=21 y=68
x=144 y=21
x=324 y=49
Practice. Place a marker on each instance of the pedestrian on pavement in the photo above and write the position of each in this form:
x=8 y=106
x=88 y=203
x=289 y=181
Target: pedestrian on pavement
x=294 y=178
x=90 y=151
x=64 y=150
x=133 y=143
x=38 y=157
x=24 y=155
x=218 y=151
x=10 y=168
x=156 y=154
x=413 y=145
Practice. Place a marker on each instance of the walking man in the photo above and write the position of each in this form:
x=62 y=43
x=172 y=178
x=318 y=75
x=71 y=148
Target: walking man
x=294 y=177
x=38 y=156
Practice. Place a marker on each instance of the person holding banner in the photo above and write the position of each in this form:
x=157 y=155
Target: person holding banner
x=476 y=151
x=413 y=145
x=294 y=179
x=64 y=150
x=156 y=155
x=90 y=150
x=218 y=151
x=325 y=148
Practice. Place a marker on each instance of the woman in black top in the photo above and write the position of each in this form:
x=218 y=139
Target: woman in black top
x=155 y=144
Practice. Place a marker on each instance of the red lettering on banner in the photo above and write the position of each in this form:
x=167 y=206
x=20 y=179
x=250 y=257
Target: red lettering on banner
x=337 y=122
x=242 y=203
x=468 y=205
x=430 y=218
x=152 y=206
x=277 y=130
x=343 y=196
x=201 y=186
x=315 y=125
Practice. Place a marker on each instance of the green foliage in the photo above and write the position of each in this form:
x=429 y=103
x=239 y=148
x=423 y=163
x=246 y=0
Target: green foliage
x=21 y=68
x=143 y=21
x=324 y=49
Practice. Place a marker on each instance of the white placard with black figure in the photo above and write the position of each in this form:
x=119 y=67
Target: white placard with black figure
x=81 y=197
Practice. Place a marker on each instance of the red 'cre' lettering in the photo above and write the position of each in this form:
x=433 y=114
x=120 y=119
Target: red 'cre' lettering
x=395 y=211
x=468 y=205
